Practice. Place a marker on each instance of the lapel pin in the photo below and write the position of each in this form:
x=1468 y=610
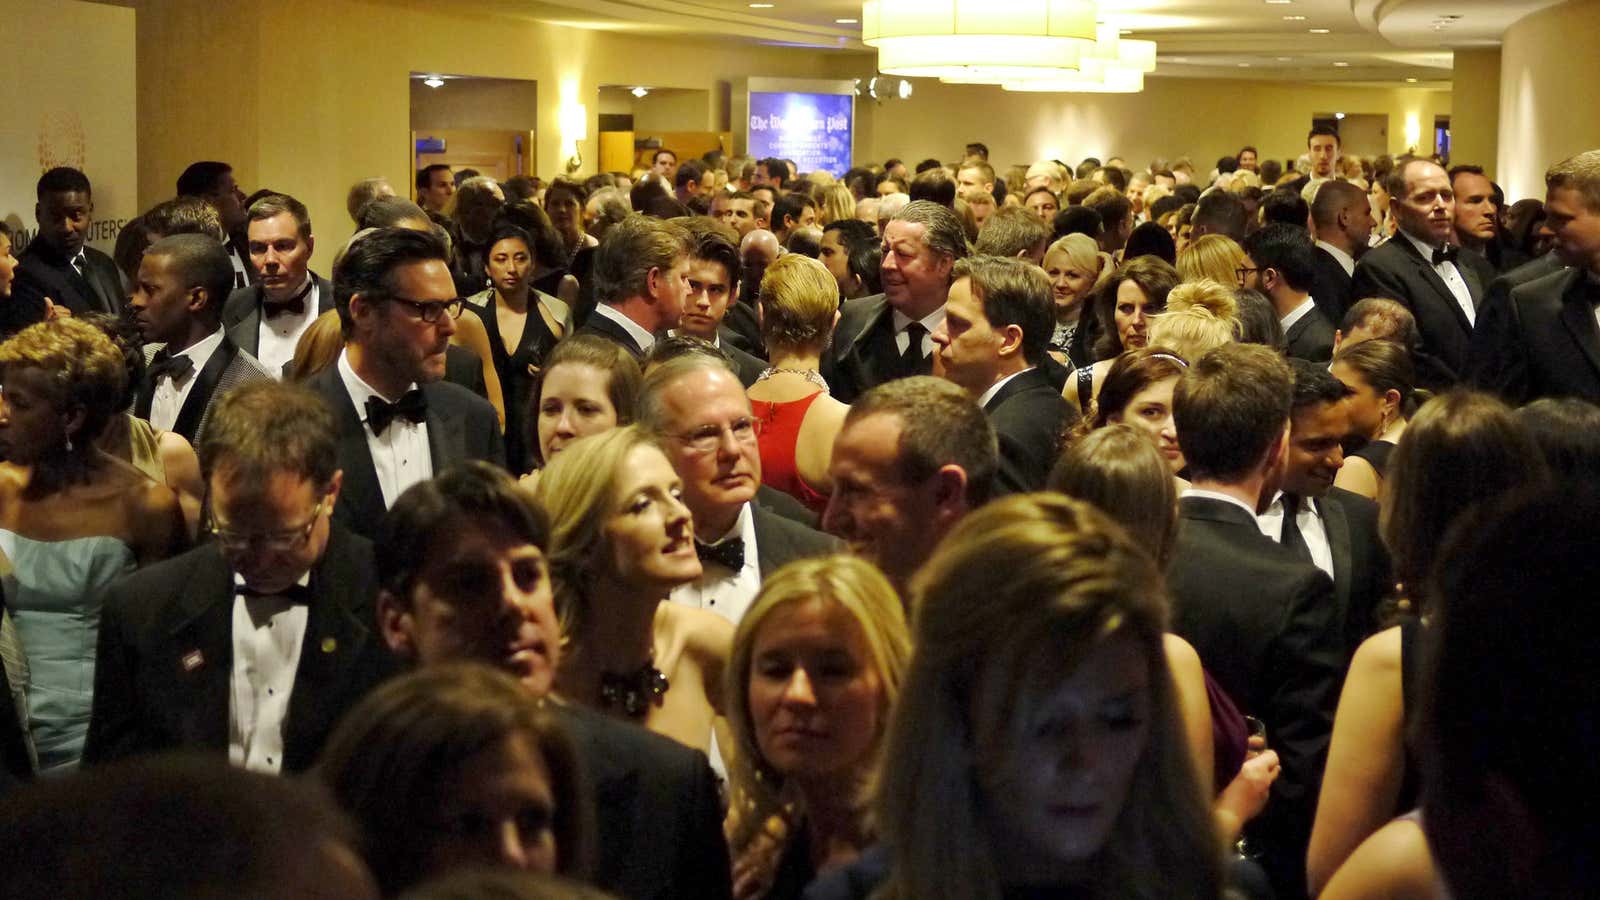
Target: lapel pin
x=193 y=660
x=329 y=645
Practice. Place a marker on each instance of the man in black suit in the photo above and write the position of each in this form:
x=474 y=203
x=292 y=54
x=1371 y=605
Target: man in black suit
x=58 y=265
x=213 y=182
x=466 y=577
x=177 y=306
x=1440 y=283
x=1341 y=217
x=1281 y=263
x=1333 y=528
x=397 y=421
x=992 y=344
x=713 y=284
x=1264 y=621
x=1541 y=339
x=641 y=277
x=889 y=335
x=695 y=403
x=914 y=457
x=267 y=318
x=253 y=644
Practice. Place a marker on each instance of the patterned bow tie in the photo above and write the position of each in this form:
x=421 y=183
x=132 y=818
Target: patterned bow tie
x=1446 y=253
x=174 y=366
x=729 y=553
x=413 y=407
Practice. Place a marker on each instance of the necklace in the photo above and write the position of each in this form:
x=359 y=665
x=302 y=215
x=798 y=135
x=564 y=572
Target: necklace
x=635 y=692
x=810 y=375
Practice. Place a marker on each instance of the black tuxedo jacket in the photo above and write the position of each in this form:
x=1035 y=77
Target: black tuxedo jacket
x=42 y=272
x=864 y=354
x=1397 y=271
x=1331 y=288
x=780 y=540
x=658 y=816
x=164 y=668
x=1311 y=338
x=1541 y=340
x=747 y=366
x=741 y=329
x=229 y=367
x=1362 y=577
x=461 y=426
x=1029 y=415
x=241 y=315
x=1267 y=628
x=600 y=326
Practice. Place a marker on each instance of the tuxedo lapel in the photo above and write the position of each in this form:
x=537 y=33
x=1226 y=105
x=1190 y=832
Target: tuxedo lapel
x=104 y=284
x=202 y=653
x=1577 y=313
x=361 y=500
x=1425 y=271
x=246 y=333
x=194 y=405
x=1337 y=526
x=447 y=441
x=335 y=640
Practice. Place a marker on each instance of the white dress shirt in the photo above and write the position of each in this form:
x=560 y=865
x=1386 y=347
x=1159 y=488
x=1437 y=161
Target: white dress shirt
x=983 y=401
x=720 y=589
x=279 y=335
x=171 y=392
x=931 y=322
x=1345 y=260
x=643 y=338
x=1451 y=277
x=1217 y=495
x=267 y=636
x=1298 y=313
x=401 y=455
x=1309 y=520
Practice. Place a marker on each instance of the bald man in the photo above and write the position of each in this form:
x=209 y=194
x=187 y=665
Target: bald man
x=757 y=250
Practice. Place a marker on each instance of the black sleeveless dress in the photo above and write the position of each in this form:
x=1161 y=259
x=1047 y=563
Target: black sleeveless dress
x=516 y=369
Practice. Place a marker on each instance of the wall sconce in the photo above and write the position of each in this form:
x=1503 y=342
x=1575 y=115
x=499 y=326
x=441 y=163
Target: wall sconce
x=574 y=119
x=1413 y=131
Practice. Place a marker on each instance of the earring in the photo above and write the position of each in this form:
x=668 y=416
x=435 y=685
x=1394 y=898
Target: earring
x=69 y=443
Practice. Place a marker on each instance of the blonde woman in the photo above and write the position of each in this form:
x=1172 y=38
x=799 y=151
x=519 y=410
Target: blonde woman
x=621 y=541
x=1037 y=747
x=1078 y=268
x=1201 y=316
x=1213 y=256
x=836 y=203
x=815 y=671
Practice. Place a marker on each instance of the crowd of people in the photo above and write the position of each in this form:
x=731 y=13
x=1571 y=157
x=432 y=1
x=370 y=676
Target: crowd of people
x=719 y=530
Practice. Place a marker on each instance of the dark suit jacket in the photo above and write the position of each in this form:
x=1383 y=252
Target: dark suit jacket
x=229 y=367
x=241 y=315
x=164 y=668
x=1266 y=627
x=1541 y=340
x=746 y=365
x=1397 y=271
x=776 y=501
x=1362 y=578
x=1331 y=289
x=1029 y=415
x=863 y=354
x=658 y=817
x=741 y=329
x=42 y=272
x=461 y=426
x=1311 y=338
x=461 y=366
x=600 y=326
x=780 y=541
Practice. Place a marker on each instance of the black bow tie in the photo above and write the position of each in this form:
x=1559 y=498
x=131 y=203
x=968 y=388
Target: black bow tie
x=173 y=366
x=1445 y=253
x=413 y=407
x=295 y=304
x=295 y=594
x=729 y=553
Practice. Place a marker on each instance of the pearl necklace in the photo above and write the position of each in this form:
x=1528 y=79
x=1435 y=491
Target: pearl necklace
x=810 y=375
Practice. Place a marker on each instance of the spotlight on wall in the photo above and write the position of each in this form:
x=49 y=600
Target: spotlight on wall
x=433 y=81
x=1338 y=115
x=904 y=91
x=640 y=92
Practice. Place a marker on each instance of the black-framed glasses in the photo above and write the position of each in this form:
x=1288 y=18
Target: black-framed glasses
x=431 y=311
x=705 y=438
x=288 y=540
x=1244 y=272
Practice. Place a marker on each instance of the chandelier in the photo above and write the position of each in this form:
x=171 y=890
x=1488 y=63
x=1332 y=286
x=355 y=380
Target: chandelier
x=1035 y=45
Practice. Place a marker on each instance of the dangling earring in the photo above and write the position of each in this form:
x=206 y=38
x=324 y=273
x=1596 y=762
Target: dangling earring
x=69 y=443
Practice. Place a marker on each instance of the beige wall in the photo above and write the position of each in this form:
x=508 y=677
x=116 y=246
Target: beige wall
x=1475 y=108
x=496 y=103
x=1549 y=90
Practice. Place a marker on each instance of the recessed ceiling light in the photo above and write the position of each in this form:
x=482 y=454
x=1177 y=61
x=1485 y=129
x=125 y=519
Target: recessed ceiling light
x=1280 y=2
x=1338 y=115
x=1125 y=31
x=433 y=81
x=1341 y=65
x=846 y=21
x=1317 y=30
x=1411 y=81
x=1180 y=59
x=1244 y=65
x=1285 y=58
x=640 y=92
x=1294 y=18
x=761 y=6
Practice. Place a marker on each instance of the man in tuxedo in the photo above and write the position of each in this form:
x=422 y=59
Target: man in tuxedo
x=253 y=644
x=713 y=284
x=397 y=421
x=915 y=456
x=213 y=182
x=992 y=343
x=1219 y=212
x=267 y=318
x=1331 y=527
x=696 y=405
x=758 y=248
x=641 y=276
x=890 y=335
x=1280 y=263
x=1440 y=283
x=177 y=306
x=58 y=265
x=1264 y=621
x=1341 y=217
x=1542 y=339
x=465 y=570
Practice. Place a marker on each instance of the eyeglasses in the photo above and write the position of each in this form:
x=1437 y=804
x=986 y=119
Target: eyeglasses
x=431 y=311
x=705 y=438
x=1244 y=272
x=284 y=541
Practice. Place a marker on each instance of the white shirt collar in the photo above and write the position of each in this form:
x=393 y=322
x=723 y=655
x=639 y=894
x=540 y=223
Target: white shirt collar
x=1345 y=260
x=1217 y=495
x=1298 y=313
x=931 y=321
x=358 y=389
x=1424 y=248
x=743 y=527
x=200 y=351
x=645 y=339
x=983 y=401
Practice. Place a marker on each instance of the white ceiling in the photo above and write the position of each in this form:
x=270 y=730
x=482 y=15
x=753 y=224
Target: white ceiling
x=1384 y=41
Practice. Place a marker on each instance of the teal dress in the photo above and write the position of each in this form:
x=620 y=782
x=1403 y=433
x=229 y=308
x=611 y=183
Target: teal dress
x=53 y=593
